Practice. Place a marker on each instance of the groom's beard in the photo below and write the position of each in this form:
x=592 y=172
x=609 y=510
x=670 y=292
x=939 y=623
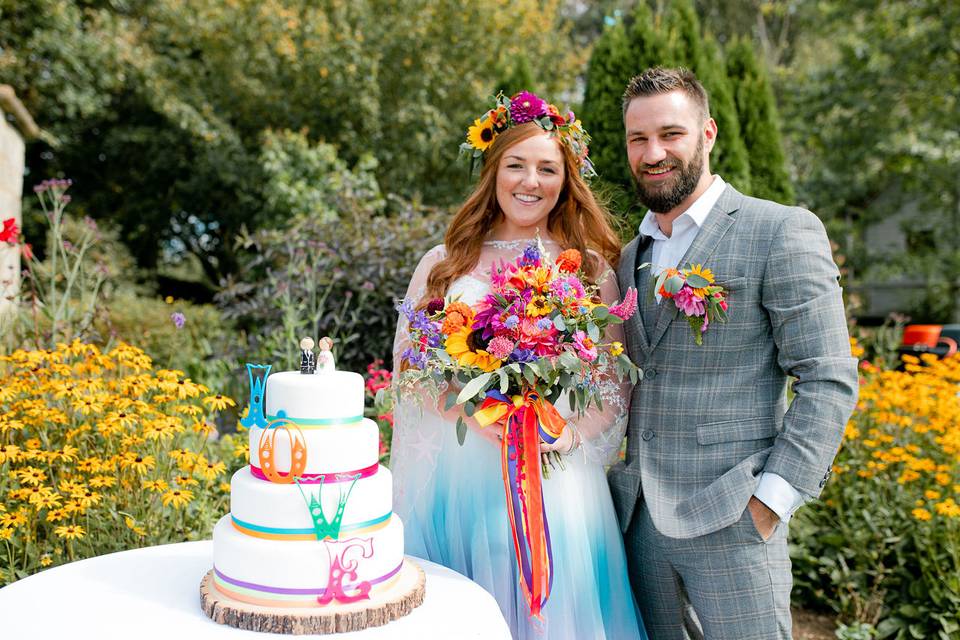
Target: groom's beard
x=665 y=196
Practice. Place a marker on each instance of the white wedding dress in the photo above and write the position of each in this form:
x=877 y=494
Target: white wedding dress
x=451 y=497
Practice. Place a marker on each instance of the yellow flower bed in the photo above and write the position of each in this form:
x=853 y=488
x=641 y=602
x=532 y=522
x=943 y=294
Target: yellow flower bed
x=905 y=436
x=100 y=452
x=882 y=546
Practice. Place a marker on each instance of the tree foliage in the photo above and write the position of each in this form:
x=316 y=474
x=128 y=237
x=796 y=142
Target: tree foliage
x=871 y=102
x=158 y=107
x=674 y=37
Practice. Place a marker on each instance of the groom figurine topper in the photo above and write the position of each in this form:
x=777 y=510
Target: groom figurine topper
x=716 y=459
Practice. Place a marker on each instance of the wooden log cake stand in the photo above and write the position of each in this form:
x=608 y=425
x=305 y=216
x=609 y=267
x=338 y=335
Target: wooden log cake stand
x=403 y=597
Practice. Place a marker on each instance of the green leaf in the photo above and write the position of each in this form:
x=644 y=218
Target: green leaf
x=474 y=387
x=697 y=281
x=449 y=402
x=461 y=431
x=572 y=397
x=529 y=373
x=593 y=332
x=673 y=284
x=504 y=381
x=469 y=408
x=559 y=323
x=601 y=313
x=569 y=361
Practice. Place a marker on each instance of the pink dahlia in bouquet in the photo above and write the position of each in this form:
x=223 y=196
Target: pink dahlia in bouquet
x=536 y=335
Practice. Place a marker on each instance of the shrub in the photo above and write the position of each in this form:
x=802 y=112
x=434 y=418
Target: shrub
x=99 y=452
x=328 y=277
x=883 y=545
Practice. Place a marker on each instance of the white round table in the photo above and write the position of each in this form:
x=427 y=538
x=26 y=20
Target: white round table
x=155 y=593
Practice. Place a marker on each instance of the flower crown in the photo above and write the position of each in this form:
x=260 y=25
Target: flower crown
x=527 y=107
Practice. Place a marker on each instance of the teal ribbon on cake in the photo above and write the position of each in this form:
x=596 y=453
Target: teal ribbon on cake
x=315 y=422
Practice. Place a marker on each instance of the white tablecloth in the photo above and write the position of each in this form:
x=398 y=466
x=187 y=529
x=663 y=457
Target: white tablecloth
x=155 y=593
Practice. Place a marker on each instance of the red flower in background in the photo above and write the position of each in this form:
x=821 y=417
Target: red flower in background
x=10 y=231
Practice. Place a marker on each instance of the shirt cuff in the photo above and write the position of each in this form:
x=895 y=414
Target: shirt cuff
x=778 y=494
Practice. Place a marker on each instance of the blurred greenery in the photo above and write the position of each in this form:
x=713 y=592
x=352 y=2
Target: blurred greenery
x=314 y=275
x=159 y=107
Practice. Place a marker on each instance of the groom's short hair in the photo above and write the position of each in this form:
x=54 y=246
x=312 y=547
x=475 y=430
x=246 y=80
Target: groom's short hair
x=658 y=80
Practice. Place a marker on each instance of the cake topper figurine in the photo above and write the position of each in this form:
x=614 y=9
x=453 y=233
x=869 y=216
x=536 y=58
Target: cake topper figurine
x=325 y=357
x=308 y=361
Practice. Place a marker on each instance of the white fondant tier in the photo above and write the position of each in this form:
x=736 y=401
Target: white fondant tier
x=271 y=507
x=326 y=395
x=330 y=449
x=264 y=565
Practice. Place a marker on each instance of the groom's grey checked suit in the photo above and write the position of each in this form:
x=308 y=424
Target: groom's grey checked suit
x=707 y=420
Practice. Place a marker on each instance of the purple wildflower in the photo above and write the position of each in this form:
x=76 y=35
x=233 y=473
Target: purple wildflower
x=522 y=355
x=405 y=307
x=416 y=358
x=525 y=107
x=531 y=255
x=544 y=323
x=178 y=319
x=420 y=322
x=511 y=322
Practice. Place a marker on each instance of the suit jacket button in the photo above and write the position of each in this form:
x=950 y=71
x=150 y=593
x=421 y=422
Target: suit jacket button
x=647 y=435
x=823 y=483
x=650 y=374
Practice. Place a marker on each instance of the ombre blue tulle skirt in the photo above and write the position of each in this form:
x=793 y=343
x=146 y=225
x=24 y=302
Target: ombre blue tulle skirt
x=451 y=499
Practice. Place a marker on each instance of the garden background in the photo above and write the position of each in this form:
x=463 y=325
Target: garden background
x=216 y=178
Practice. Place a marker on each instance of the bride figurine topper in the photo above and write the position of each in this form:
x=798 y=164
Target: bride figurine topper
x=325 y=357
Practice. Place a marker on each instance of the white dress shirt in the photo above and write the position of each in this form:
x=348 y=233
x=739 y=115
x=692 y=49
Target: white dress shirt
x=667 y=251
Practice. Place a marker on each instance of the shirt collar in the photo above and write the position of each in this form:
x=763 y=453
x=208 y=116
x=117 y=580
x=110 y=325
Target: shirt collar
x=697 y=212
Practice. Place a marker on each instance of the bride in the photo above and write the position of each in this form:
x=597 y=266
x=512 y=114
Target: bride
x=451 y=497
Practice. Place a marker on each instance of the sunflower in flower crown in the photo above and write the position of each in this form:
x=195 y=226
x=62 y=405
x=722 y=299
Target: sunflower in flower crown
x=526 y=107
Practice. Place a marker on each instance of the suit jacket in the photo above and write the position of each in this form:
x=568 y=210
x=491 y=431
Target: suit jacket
x=706 y=420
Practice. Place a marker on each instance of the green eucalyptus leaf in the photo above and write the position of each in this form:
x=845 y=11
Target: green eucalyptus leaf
x=601 y=313
x=593 y=332
x=559 y=323
x=697 y=281
x=673 y=284
x=473 y=387
x=461 y=431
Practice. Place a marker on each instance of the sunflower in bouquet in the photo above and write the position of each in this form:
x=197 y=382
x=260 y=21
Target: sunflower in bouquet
x=537 y=335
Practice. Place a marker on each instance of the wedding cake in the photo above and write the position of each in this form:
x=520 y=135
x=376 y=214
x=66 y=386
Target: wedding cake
x=311 y=543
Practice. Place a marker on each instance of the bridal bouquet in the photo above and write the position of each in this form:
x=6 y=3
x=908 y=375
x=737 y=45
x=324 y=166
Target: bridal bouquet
x=536 y=335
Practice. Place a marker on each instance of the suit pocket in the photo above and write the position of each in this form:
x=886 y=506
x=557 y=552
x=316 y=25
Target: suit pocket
x=737 y=430
x=732 y=283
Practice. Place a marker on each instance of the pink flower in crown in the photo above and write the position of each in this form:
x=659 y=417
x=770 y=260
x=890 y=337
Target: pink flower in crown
x=525 y=107
x=688 y=302
x=584 y=346
x=627 y=306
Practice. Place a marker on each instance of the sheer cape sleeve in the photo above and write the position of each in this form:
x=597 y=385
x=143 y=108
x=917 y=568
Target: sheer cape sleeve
x=602 y=430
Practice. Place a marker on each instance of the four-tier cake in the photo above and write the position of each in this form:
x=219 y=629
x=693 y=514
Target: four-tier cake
x=311 y=544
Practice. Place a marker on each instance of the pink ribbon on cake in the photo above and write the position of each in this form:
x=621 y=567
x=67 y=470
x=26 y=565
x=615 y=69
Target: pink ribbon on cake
x=315 y=478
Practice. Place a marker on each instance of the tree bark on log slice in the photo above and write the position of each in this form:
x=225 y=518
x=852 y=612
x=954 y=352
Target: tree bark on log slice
x=402 y=598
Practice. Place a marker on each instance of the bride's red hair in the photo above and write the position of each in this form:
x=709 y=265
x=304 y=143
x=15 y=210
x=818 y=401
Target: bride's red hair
x=577 y=221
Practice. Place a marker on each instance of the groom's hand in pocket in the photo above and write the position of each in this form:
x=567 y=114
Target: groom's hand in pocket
x=765 y=519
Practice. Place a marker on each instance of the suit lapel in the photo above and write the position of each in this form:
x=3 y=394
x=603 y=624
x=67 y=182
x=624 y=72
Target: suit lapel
x=633 y=326
x=714 y=228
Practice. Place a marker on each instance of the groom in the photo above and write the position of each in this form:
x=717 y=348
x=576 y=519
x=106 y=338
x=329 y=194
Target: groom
x=717 y=460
